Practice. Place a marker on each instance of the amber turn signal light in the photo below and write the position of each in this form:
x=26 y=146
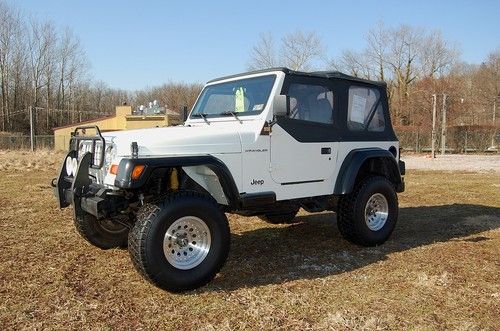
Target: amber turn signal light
x=114 y=169
x=137 y=172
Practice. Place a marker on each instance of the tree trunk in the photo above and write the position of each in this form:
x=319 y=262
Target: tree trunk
x=5 y=97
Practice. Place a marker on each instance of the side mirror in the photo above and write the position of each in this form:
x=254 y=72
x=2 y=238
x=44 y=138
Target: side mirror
x=280 y=105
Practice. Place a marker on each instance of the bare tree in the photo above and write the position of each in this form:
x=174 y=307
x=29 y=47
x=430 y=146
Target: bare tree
x=300 y=49
x=19 y=78
x=404 y=47
x=172 y=95
x=40 y=40
x=263 y=55
x=10 y=25
x=376 y=51
x=72 y=64
x=486 y=86
x=353 y=63
x=435 y=54
x=50 y=38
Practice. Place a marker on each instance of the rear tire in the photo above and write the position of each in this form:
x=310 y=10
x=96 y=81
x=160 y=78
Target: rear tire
x=181 y=243
x=104 y=234
x=281 y=218
x=368 y=215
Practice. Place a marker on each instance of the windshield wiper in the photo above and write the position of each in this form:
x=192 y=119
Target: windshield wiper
x=233 y=113
x=202 y=115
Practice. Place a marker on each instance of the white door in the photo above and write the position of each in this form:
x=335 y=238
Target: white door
x=294 y=162
x=304 y=144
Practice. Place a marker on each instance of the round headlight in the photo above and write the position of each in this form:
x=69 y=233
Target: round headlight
x=69 y=166
x=74 y=166
x=109 y=156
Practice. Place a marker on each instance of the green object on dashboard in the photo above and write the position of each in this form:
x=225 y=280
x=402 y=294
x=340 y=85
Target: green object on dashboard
x=239 y=101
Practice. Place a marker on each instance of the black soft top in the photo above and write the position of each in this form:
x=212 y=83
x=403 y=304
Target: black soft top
x=320 y=74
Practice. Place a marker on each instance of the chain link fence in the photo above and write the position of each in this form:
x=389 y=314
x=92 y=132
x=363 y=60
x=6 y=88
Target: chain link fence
x=459 y=139
x=24 y=142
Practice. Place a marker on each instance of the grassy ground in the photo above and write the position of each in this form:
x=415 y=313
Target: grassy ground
x=440 y=269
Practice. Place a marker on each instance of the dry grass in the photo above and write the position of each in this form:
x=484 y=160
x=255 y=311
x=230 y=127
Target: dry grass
x=440 y=270
x=27 y=161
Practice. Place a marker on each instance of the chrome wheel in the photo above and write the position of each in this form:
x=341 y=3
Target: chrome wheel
x=376 y=212
x=187 y=242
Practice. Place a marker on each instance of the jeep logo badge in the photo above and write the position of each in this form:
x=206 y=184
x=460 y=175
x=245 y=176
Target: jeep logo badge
x=257 y=182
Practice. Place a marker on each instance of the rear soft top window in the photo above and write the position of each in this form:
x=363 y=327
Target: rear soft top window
x=365 y=109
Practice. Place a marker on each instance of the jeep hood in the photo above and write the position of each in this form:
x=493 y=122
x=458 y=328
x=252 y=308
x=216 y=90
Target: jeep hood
x=178 y=140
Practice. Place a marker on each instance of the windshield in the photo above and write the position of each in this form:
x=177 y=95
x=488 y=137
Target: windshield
x=241 y=97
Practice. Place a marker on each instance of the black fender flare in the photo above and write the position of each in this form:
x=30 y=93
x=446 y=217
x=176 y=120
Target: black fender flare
x=123 y=179
x=353 y=162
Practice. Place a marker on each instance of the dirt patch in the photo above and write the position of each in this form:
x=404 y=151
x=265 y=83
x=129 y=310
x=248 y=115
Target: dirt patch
x=473 y=163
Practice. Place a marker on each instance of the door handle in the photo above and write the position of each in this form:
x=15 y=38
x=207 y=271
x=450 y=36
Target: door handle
x=326 y=150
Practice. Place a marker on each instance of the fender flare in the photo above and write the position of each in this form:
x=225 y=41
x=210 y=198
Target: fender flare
x=123 y=178
x=353 y=162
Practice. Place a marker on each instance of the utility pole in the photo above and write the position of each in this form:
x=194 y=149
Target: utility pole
x=494 y=122
x=443 y=127
x=433 y=135
x=32 y=129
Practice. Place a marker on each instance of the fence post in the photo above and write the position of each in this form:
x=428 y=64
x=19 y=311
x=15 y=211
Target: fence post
x=433 y=135
x=443 y=128
x=416 y=143
x=32 y=130
x=465 y=147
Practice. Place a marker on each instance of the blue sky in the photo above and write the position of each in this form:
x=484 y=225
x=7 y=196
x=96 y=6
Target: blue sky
x=134 y=44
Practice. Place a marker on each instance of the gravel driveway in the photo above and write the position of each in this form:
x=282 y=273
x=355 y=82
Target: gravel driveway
x=474 y=163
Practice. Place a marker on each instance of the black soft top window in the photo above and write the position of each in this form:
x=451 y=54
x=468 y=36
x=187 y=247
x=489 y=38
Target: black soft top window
x=365 y=110
x=311 y=102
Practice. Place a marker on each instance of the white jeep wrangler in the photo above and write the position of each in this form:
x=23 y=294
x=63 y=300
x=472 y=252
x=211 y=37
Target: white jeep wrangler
x=262 y=143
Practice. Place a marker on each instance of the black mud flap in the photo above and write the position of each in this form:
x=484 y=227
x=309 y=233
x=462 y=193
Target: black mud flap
x=81 y=182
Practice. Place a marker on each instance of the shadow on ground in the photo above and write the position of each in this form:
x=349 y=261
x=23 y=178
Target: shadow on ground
x=314 y=248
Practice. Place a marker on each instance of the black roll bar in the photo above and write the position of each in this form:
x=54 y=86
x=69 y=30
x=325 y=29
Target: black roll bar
x=76 y=138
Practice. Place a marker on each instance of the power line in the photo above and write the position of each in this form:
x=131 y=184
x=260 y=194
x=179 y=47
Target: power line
x=24 y=111
x=86 y=112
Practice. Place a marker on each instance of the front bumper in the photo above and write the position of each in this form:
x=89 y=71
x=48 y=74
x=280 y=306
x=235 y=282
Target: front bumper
x=84 y=195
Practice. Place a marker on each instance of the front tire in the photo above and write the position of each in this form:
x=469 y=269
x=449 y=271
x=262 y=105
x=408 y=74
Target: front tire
x=368 y=215
x=104 y=234
x=181 y=243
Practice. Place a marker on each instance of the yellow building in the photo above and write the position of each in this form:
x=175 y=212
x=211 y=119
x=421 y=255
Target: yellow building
x=123 y=120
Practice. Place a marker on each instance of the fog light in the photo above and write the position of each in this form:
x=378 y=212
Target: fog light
x=74 y=166
x=69 y=166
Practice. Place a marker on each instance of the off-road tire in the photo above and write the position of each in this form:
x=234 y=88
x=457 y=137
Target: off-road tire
x=351 y=212
x=281 y=218
x=147 y=236
x=98 y=234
